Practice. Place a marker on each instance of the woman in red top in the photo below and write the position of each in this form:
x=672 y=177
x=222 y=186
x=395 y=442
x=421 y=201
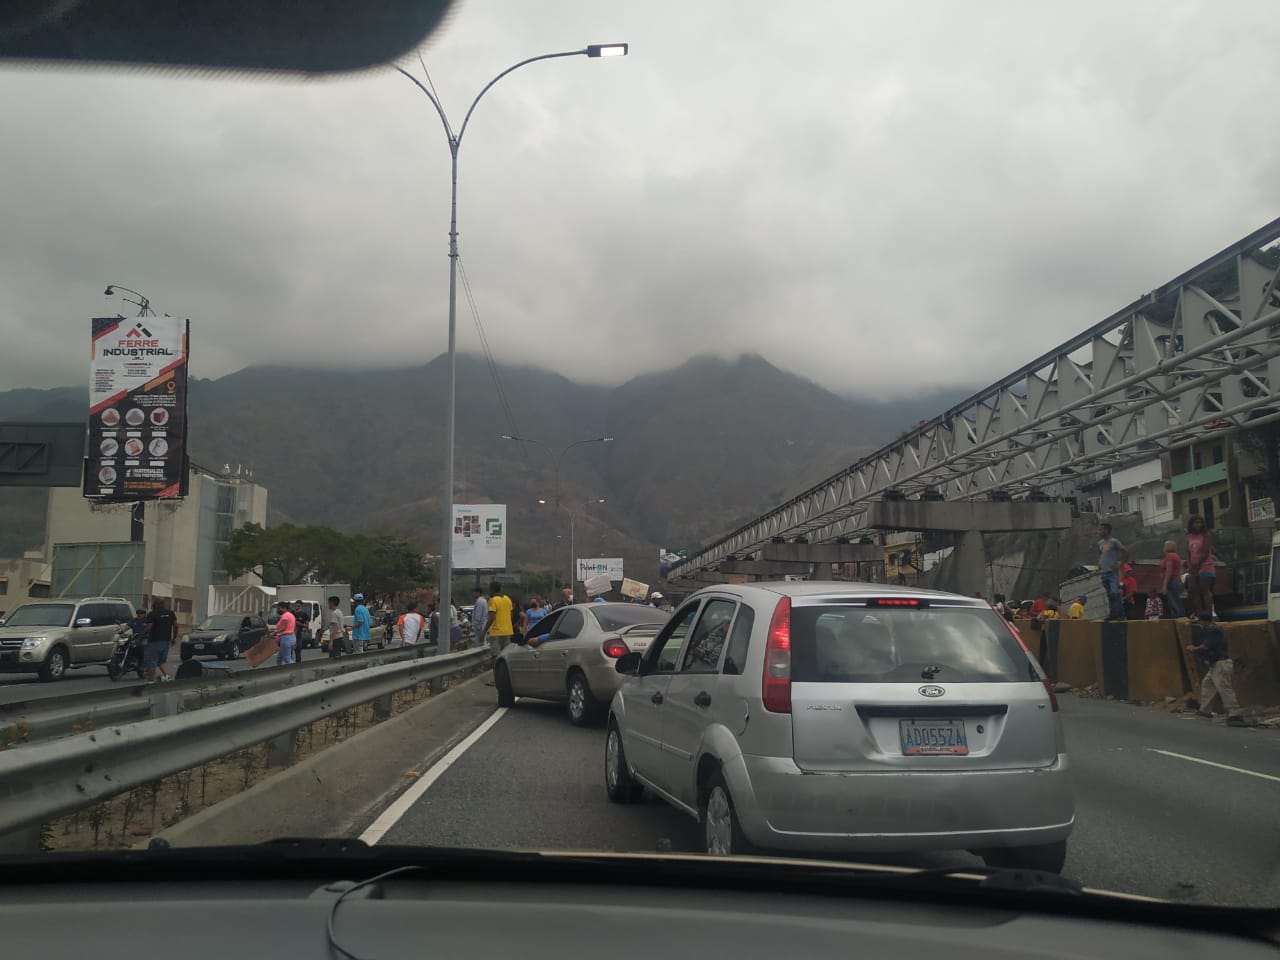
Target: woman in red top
x=1171 y=580
x=1129 y=591
x=1200 y=566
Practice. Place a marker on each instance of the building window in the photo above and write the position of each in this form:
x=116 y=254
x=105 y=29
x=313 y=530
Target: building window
x=1193 y=507
x=1224 y=501
x=1217 y=453
x=1162 y=501
x=1195 y=459
x=1142 y=503
x=226 y=498
x=4 y=588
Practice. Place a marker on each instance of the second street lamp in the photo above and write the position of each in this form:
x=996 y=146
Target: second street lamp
x=595 y=50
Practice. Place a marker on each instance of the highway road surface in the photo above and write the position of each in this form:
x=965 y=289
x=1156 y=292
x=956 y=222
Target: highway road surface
x=1167 y=805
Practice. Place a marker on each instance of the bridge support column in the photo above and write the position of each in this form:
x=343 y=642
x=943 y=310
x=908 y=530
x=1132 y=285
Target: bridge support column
x=970 y=560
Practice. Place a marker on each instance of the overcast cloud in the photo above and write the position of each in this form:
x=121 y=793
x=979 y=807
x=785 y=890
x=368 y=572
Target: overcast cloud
x=878 y=196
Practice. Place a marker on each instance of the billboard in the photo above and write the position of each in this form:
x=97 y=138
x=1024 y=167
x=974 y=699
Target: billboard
x=610 y=567
x=480 y=536
x=137 y=409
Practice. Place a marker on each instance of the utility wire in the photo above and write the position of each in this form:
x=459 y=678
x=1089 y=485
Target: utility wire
x=507 y=412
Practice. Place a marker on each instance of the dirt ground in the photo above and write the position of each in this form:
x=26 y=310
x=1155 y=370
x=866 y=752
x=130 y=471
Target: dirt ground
x=128 y=818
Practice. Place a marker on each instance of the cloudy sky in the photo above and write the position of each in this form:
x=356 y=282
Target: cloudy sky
x=878 y=196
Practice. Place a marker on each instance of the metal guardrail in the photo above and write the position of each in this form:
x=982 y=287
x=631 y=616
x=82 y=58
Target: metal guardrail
x=41 y=719
x=56 y=778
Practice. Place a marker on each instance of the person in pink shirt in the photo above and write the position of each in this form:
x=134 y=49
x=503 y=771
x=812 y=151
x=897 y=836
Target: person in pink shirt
x=1201 y=568
x=286 y=631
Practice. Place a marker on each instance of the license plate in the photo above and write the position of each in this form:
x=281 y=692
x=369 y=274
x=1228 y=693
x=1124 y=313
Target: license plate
x=199 y=646
x=933 y=738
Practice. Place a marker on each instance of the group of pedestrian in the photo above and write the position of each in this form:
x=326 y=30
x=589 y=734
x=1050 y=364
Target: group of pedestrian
x=498 y=621
x=1195 y=577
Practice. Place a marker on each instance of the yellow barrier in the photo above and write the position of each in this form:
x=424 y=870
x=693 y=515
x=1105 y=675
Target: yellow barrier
x=1079 y=652
x=1256 y=673
x=1155 y=661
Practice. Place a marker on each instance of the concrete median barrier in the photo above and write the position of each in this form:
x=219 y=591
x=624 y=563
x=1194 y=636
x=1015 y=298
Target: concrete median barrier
x=1256 y=671
x=1075 y=650
x=1155 y=665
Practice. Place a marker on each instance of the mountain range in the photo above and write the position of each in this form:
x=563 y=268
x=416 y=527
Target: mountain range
x=695 y=450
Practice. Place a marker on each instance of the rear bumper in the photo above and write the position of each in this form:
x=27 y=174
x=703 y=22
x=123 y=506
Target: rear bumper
x=604 y=681
x=780 y=807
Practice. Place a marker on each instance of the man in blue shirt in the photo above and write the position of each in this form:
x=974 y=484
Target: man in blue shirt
x=361 y=624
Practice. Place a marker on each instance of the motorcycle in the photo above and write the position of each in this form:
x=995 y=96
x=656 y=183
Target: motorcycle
x=125 y=656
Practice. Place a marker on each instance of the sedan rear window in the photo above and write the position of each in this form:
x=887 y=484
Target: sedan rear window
x=857 y=644
x=617 y=616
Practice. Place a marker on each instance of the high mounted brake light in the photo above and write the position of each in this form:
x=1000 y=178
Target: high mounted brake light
x=897 y=602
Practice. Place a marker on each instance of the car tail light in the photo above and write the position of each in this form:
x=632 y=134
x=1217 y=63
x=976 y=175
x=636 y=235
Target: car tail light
x=897 y=602
x=614 y=648
x=1048 y=684
x=776 y=687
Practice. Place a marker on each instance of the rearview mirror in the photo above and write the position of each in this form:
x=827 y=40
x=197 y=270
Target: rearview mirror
x=83 y=622
x=629 y=663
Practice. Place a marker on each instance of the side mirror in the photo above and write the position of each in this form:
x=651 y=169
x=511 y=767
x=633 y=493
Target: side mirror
x=83 y=622
x=629 y=663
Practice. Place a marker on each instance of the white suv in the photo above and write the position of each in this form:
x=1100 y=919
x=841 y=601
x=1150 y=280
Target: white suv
x=49 y=637
x=841 y=717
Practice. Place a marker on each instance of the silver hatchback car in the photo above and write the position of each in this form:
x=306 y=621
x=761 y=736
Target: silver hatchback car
x=845 y=717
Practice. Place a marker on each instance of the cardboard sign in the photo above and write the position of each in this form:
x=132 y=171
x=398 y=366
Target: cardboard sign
x=597 y=585
x=263 y=650
x=634 y=589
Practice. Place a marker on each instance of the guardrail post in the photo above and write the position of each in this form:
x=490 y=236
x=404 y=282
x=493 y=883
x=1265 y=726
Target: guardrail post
x=280 y=750
x=382 y=707
x=166 y=705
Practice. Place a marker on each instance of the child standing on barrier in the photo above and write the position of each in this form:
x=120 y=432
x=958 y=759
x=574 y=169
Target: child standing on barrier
x=1215 y=661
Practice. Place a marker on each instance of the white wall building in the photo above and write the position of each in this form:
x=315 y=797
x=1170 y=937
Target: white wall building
x=183 y=538
x=1145 y=490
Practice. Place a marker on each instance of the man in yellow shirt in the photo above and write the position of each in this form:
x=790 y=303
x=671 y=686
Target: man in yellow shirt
x=1076 y=610
x=500 y=629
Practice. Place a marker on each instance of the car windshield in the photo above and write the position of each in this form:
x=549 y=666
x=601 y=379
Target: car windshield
x=615 y=616
x=693 y=328
x=222 y=621
x=41 y=615
x=861 y=644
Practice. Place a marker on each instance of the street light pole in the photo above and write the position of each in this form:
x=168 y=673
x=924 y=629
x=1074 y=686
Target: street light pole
x=455 y=141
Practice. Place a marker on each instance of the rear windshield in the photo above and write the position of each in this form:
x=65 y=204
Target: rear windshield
x=857 y=644
x=627 y=614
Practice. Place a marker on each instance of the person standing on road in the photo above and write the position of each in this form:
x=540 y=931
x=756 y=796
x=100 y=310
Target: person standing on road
x=479 y=617
x=566 y=599
x=1201 y=568
x=499 y=627
x=1215 y=660
x=158 y=632
x=411 y=626
x=1171 y=580
x=302 y=621
x=337 y=642
x=286 y=631
x=533 y=613
x=361 y=624
x=1112 y=555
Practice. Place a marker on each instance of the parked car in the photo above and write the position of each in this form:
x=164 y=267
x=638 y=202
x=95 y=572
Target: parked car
x=574 y=659
x=226 y=635
x=838 y=717
x=48 y=637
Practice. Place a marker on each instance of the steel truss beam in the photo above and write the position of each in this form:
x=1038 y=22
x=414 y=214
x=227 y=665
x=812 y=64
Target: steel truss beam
x=1176 y=365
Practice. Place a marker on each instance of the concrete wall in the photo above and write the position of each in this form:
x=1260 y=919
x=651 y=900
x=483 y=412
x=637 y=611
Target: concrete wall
x=72 y=519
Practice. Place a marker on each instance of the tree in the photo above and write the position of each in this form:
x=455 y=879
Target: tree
x=286 y=553
x=382 y=565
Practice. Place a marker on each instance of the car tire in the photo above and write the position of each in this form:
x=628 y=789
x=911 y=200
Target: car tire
x=618 y=782
x=233 y=649
x=1046 y=857
x=502 y=681
x=55 y=665
x=584 y=709
x=722 y=834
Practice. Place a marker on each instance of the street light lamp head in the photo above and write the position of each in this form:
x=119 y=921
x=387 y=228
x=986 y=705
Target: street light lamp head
x=109 y=291
x=606 y=439
x=607 y=49
x=541 y=501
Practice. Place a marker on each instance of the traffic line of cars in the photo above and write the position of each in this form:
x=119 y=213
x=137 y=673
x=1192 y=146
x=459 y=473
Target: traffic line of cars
x=820 y=718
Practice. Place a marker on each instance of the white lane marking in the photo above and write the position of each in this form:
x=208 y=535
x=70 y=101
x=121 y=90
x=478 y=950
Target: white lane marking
x=389 y=817
x=1214 y=763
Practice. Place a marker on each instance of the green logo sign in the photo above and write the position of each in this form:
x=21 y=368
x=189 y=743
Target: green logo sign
x=493 y=526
